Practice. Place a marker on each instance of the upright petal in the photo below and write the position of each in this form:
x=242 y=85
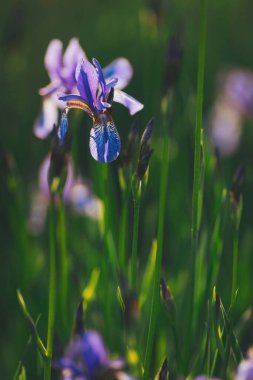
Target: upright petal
x=46 y=120
x=73 y=54
x=53 y=59
x=87 y=82
x=121 y=69
x=105 y=142
x=101 y=78
x=128 y=101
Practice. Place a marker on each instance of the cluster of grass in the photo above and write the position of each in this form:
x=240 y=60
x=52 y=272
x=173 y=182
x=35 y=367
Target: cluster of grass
x=166 y=272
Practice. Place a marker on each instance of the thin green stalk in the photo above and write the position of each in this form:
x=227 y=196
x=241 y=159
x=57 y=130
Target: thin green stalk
x=52 y=291
x=227 y=349
x=177 y=345
x=156 y=293
x=228 y=345
x=135 y=244
x=123 y=230
x=105 y=262
x=64 y=263
x=235 y=264
x=197 y=162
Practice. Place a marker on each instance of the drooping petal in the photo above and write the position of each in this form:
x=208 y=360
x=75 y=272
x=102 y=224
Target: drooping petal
x=43 y=178
x=128 y=101
x=121 y=69
x=105 y=142
x=68 y=364
x=73 y=54
x=46 y=120
x=53 y=59
x=77 y=102
x=71 y=97
x=50 y=88
x=87 y=82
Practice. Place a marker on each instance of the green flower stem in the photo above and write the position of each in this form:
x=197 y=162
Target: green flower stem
x=228 y=345
x=156 y=288
x=197 y=163
x=52 y=291
x=64 y=262
x=134 y=267
x=105 y=261
x=235 y=264
x=123 y=230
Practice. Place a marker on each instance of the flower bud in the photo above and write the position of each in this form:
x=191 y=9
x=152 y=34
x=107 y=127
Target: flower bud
x=145 y=151
x=163 y=373
x=58 y=162
x=168 y=301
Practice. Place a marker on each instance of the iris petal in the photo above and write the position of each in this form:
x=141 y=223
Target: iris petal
x=100 y=76
x=70 y=97
x=63 y=127
x=128 y=101
x=87 y=82
x=50 y=89
x=120 y=68
x=46 y=120
x=73 y=54
x=53 y=59
x=111 y=83
x=105 y=142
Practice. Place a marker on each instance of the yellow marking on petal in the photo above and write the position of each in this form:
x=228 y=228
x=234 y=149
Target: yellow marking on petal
x=79 y=105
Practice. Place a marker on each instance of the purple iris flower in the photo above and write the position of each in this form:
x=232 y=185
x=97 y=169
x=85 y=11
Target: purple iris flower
x=61 y=68
x=77 y=195
x=96 y=88
x=86 y=358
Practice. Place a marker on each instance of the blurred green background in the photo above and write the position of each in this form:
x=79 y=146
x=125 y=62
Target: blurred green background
x=139 y=30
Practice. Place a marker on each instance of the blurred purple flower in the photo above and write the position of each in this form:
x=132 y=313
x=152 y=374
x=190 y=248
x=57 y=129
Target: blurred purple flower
x=96 y=91
x=61 y=67
x=61 y=71
x=225 y=128
x=238 y=88
x=234 y=103
x=245 y=370
x=86 y=358
x=76 y=194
